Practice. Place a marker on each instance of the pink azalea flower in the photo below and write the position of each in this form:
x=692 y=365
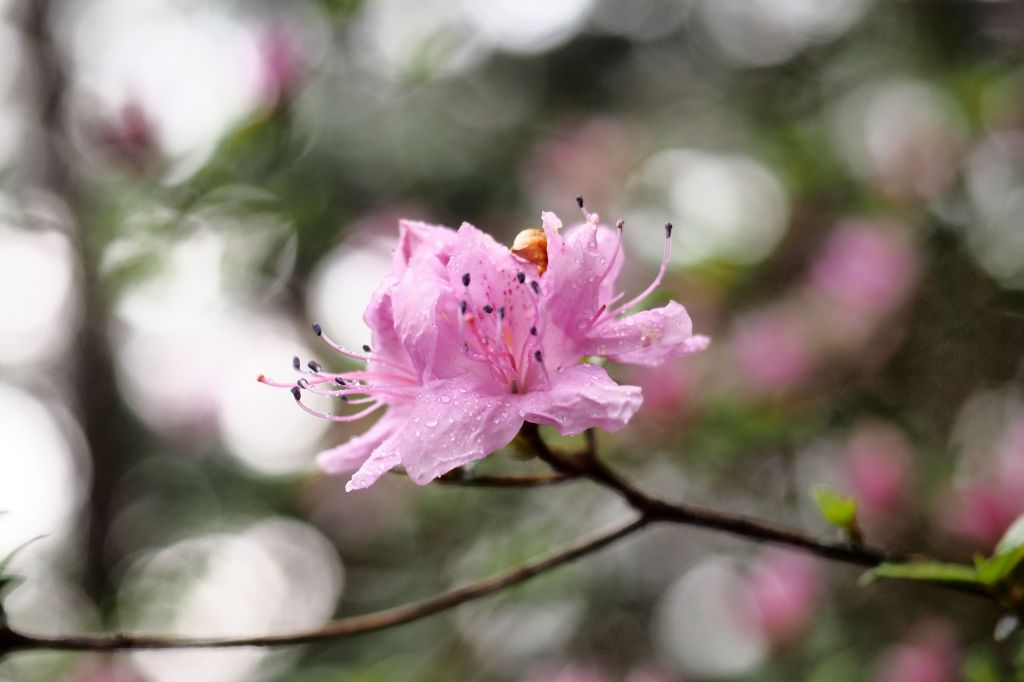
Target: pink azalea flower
x=470 y=341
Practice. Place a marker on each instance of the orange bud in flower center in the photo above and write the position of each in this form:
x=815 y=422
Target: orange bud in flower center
x=532 y=245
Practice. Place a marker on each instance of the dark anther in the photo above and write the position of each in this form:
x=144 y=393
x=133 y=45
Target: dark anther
x=366 y=349
x=535 y=287
x=302 y=383
x=296 y=363
x=537 y=356
x=533 y=331
x=314 y=365
x=296 y=393
x=488 y=309
x=668 y=230
x=462 y=307
x=318 y=330
x=339 y=381
x=521 y=276
x=501 y=313
x=465 y=279
x=344 y=398
x=579 y=201
x=619 y=225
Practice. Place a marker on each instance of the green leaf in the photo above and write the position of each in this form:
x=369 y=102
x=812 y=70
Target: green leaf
x=7 y=581
x=838 y=509
x=999 y=567
x=926 y=571
x=1013 y=538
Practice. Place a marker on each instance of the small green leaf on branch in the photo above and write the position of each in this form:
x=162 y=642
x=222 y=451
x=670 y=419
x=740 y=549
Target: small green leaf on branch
x=924 y=571
x=838 y=509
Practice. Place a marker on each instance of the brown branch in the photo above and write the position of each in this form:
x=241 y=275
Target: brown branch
x=11 y=640
x=587 y=464
x=584 y=464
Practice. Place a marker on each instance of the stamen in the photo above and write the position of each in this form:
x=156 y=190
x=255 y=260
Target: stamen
x=367 y=349
x=296 y=393
x=314 y=366
x=521 y=277
x=360 y=356
x=338 y=418
x=618 y=247
x=501 y=313
x=626 y=307
x=533 y=331
x=462 y=307
x=296 y=363
x=465 y=279
x=488 y=309
x=589 y=217
x=317 y=329
x=537 y=356
x=339 y=381
x=535 y=286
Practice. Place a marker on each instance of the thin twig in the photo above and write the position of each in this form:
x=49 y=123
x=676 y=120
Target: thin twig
x=571 y=466
x=342 y=627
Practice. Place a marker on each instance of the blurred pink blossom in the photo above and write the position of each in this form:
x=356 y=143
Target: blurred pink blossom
x=281 y=62
x=782 y=594
x=772 y=351
x=669 y=391
x=878 y=467
x=985 y=506
x=930 y=656
x=571 y=673
x=470 y=341
x=130 y=138
x=588 y=157
x=864 y=271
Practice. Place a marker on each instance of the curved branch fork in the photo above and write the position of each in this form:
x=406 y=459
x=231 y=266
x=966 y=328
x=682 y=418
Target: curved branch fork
x=567 y=467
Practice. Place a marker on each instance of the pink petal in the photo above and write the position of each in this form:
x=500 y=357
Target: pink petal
x=351 y=455
x=417 y=238
x=379 y=317
x=384 y=458
x=647 y=338
x=425 y=313
x=580 y=397
x=454 y=422
x=572 y=283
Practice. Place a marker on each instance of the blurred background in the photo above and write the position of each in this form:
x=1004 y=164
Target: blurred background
x=185 y=185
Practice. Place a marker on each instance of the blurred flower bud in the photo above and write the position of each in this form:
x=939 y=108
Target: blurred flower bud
x=782 y=594
x=864 y=272
x=129 y=138
x=282 y=67
x=772 y=351
x=930 y=656
x=986 y=505
x=878 y=467
x=571 y=673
